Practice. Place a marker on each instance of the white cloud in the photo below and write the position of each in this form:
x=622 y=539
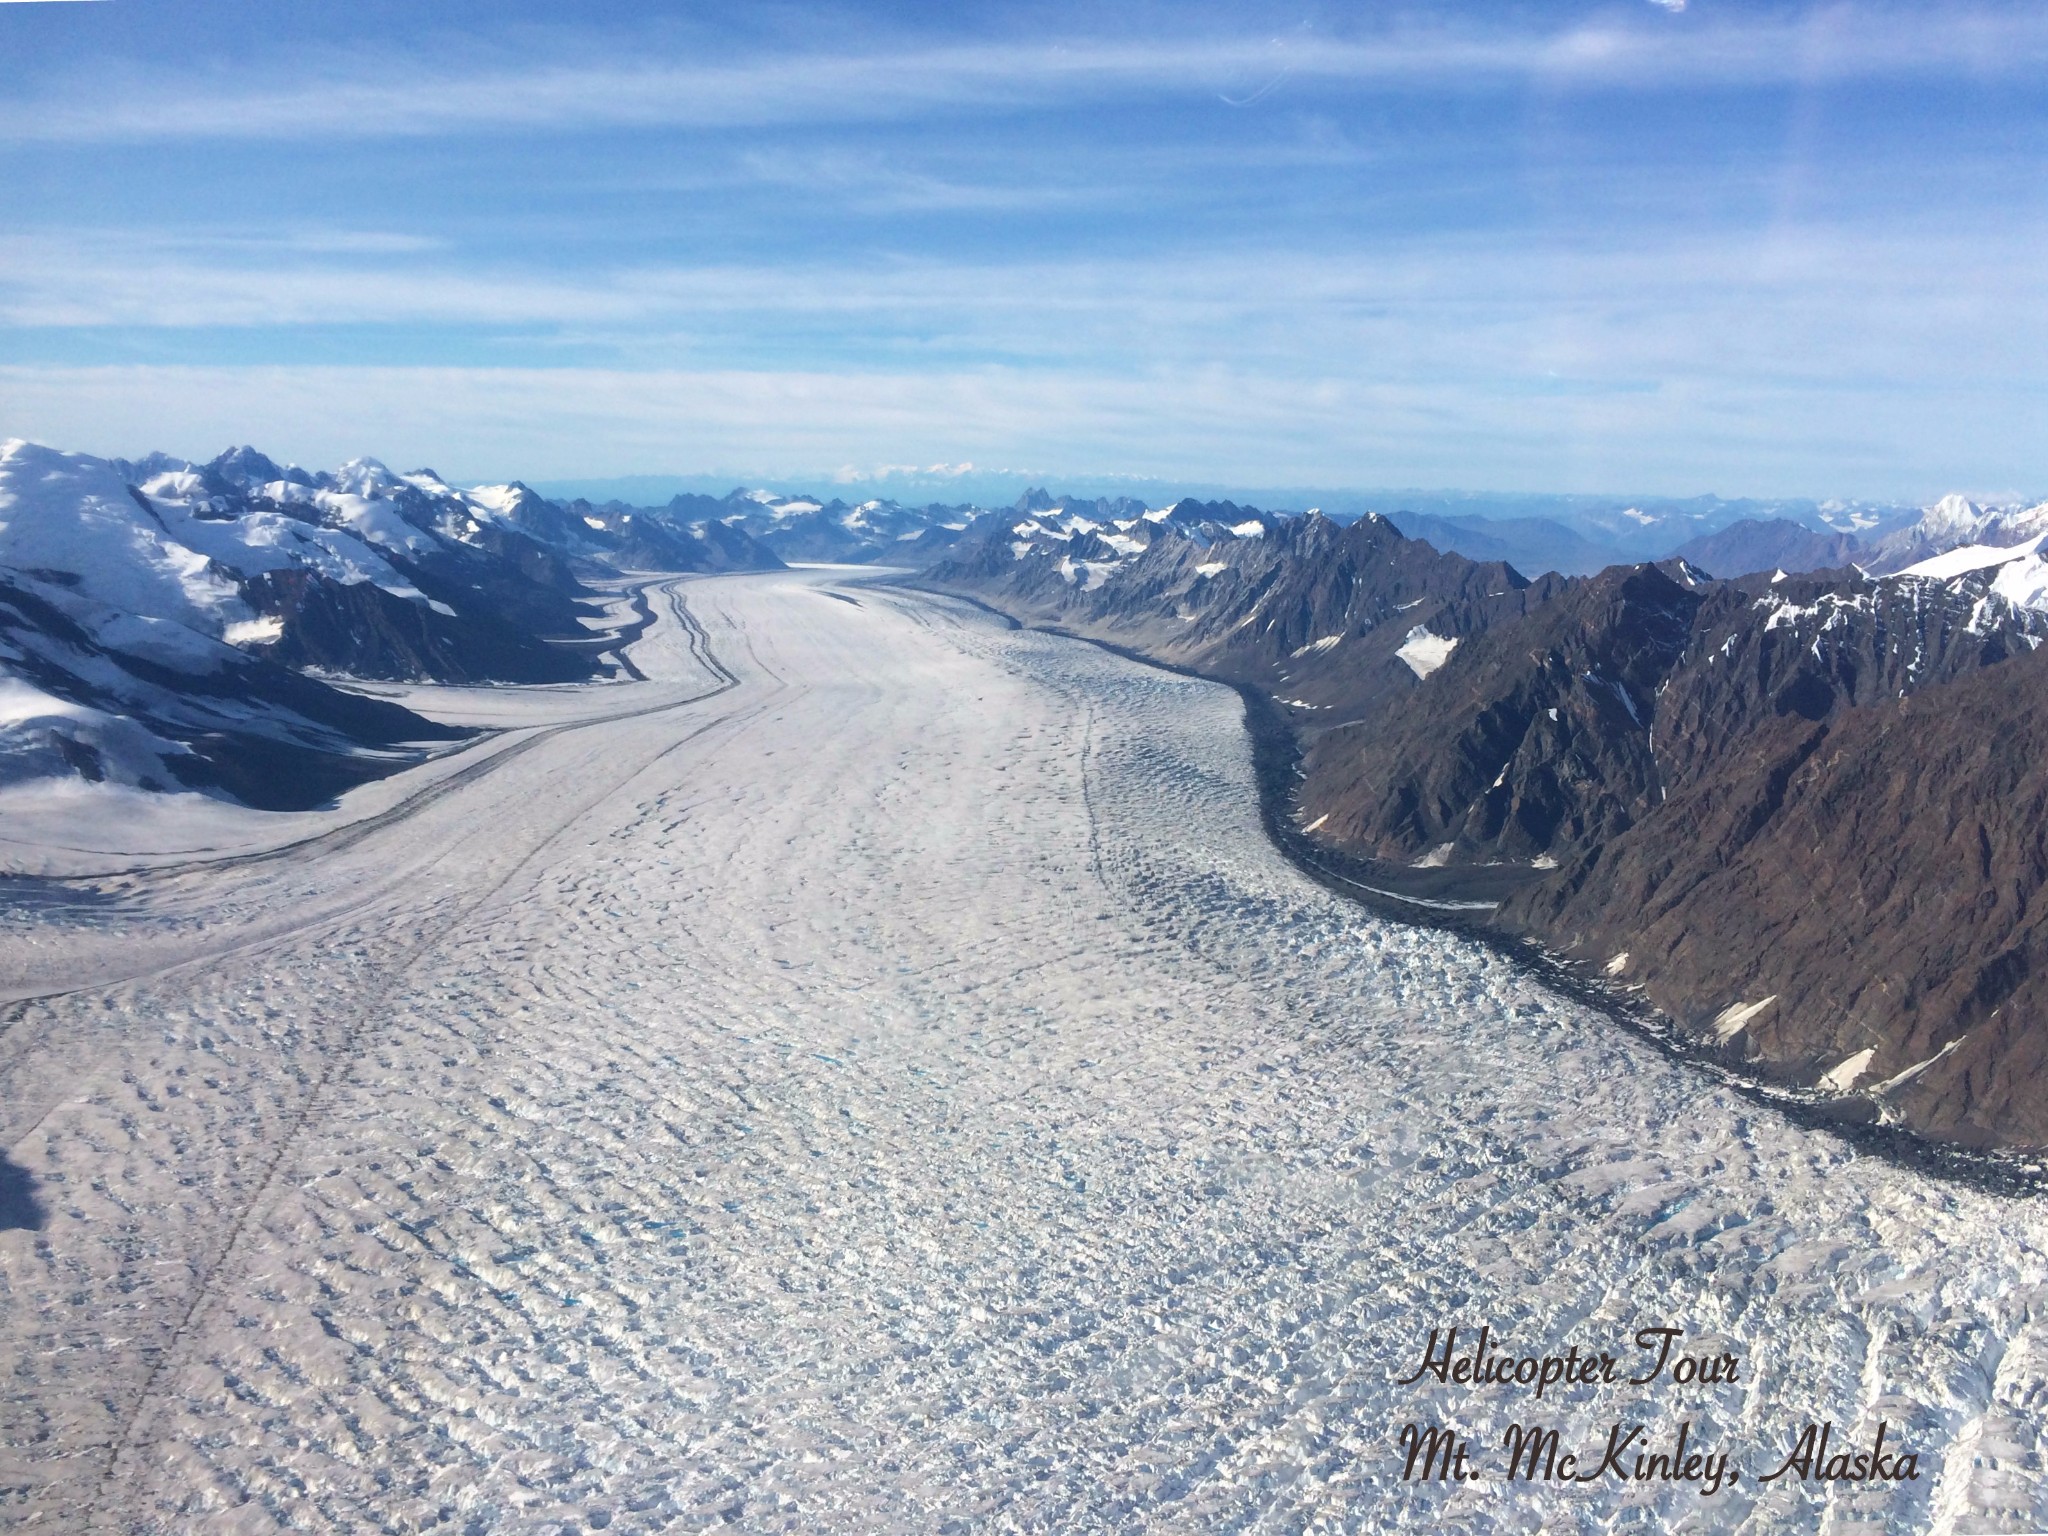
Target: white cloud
x=1822 y=307
x=854 y=474
x=116 y=279
x=403 y=96
x=1224 y=426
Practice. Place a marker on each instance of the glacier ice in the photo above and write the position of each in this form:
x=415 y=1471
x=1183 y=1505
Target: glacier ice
x=877 y=1075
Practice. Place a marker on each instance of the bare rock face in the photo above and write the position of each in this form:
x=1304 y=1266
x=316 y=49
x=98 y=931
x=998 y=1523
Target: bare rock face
x=1809 y=646
x=1853 y=901
x=1531 y=741
x=1314 y=611
x=363 y=631
x=661 y=539
x=1759 y=797
x=1804 y=815
x=1548 y=735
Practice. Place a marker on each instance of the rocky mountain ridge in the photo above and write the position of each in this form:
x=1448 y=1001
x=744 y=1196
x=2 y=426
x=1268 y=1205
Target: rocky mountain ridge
x=1627 y=766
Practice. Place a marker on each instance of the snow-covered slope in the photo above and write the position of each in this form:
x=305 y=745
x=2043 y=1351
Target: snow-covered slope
x=92 y=694
x=1956 y=519
x=157 y=617
x=362 y=571
x=2019 y=573
x=171 y=548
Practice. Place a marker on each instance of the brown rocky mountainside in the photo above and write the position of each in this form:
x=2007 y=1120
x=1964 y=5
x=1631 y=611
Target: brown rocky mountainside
x=1531 y=740
x=1858 y=896
x=1312 y=610
x=1802 y=815
x=1544 y=737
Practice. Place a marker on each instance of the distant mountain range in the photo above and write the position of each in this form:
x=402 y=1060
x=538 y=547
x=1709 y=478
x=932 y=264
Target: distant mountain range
x=167 y=624
x=1572 y=535
x=1777 y=544
x=803 y=529
x=1575 y=534
x=1804 y=814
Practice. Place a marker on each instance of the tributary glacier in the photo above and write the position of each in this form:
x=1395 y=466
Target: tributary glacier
x=875 y=1075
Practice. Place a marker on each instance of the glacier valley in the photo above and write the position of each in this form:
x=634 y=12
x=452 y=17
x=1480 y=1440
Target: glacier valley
x=875 y=1074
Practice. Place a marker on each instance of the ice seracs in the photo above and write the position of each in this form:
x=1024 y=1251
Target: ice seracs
x=1063 y=1090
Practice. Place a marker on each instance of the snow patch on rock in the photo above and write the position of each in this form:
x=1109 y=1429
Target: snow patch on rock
x=1424 y=652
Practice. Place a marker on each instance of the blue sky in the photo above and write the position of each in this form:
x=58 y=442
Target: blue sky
x=1764 y=249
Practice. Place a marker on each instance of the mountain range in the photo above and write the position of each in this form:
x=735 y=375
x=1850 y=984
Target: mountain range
x=1800 y=814
x=167 y=625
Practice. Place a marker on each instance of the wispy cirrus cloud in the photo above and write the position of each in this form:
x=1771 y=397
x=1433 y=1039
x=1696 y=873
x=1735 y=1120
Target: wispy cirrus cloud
x=110 y=279
x=1833 y=306
x=1219 y=425
x=869 y=182
x=408 y=95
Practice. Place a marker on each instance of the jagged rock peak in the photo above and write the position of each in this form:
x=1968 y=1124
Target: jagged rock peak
x=245 y=468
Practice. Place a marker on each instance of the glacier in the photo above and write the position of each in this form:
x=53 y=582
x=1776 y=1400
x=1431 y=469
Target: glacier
x=876 y=1074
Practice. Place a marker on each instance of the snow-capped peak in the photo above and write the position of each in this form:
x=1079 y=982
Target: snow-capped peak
x=1952 y=512
x=499 y=500
x=72 y=516
x=366 y=477
x=1955 y=521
